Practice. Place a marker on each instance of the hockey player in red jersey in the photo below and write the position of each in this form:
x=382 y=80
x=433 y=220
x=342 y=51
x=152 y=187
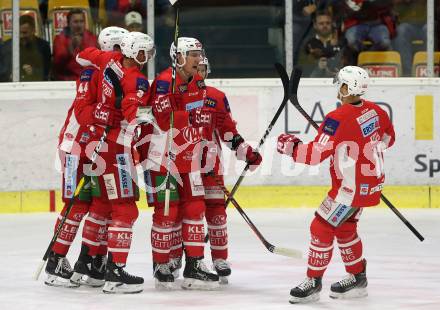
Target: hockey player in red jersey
x=187 y=207
x=214 y=197
x=90 y=266
x=354 y=136
x=73 y=139
x=115 y=171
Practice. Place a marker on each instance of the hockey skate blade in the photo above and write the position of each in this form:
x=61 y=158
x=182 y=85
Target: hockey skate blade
x=354 y=293
x=194 y=284
x=82 y=279
x=223 y=280
x=56 y=281
x=122 y=288
x=163 y=286
x=303 y=300
x=287 y=252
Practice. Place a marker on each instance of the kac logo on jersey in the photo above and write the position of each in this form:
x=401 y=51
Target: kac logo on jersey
x=370 y=126
x=124 y=175
x=192 y=135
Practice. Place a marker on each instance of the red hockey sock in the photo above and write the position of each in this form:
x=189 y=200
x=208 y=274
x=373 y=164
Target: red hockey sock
x=217 y=231
x=120 y=230
x=162 y=233
x=193 y=228
x=70 y=227
x=176 y=241
x=103 y=239
x=350 y=246
x=95 y=225
x=321 y=247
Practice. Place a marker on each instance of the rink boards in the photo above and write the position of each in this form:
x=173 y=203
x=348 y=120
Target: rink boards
x=248 y=197
x=33 y=113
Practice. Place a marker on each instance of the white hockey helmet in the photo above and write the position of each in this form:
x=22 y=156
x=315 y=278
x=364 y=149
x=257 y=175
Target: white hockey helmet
x=185 y=45
x=134 y=42
x=111 y=36
x=205 y=62
x=356 y=78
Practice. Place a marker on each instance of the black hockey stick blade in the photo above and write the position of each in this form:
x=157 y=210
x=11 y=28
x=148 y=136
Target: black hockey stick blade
x=295 y=77
x=269 y=246
x=285 y=81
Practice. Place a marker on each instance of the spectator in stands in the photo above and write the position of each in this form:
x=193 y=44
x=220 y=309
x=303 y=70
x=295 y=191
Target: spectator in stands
x=412 y=26
x=363 y=20
x=67 y=45
x=324 y=46
x=117 y=9
x=133 y=21
x=34 y=54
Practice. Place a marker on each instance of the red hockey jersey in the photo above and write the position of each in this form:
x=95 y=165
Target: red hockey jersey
x=355 y=137
x=135 y=85
x=79 y=114
x=216 y=101
x=186 y=141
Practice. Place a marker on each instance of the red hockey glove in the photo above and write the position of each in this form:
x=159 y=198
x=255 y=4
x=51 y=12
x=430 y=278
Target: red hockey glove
x=287 y=143
x=246 y=153
x=107 y=115
x=165 y=104
x=205 y=118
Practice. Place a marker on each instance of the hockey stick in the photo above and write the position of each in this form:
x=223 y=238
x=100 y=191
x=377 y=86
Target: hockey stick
x=118 y=98
x=269 y=246
x=294 y=99
x=166 y=210
x=288 y=86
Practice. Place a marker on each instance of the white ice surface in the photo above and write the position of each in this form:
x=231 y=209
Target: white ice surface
x=403 y=273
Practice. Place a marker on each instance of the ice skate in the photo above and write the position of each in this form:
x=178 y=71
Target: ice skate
x=197 y=276
x=223 y=270
x=175 y=265
x=352 y=286
x=117 y=280
x=89 y=271
x=59 y=271
x=164 y=279
x=307 y=291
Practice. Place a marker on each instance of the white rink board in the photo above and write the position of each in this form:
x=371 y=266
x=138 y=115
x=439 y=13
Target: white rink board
x=33 y=113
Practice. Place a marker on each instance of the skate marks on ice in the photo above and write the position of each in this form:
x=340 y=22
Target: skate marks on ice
x=403 y=273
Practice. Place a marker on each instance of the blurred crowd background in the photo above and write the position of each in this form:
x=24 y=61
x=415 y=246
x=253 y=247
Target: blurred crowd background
x=242 y=38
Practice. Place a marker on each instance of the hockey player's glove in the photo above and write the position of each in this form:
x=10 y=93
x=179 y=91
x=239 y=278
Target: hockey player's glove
x=201 y=117
x=287 y=143
x=165 y=104
x=246 y=153
x=107 y=115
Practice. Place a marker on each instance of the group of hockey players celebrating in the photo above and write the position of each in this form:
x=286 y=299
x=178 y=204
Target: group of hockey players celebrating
x=174 y=130
x=199 y=118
